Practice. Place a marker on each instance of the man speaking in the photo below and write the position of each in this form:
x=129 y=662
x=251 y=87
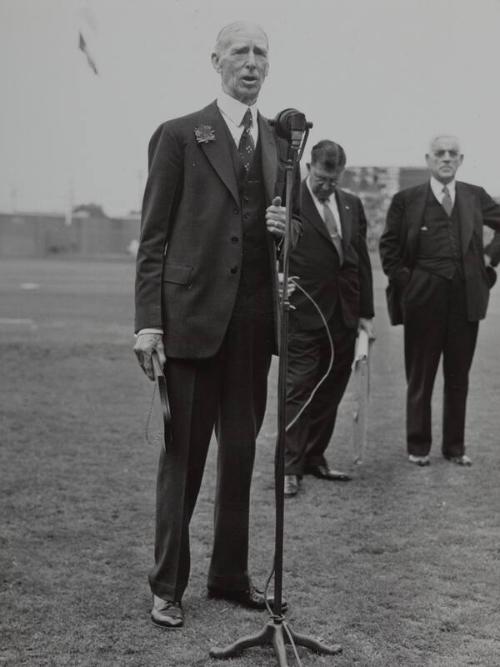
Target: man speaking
x=206 y=305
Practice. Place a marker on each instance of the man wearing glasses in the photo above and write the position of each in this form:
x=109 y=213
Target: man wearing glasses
x=332 y=265
x=432 y=251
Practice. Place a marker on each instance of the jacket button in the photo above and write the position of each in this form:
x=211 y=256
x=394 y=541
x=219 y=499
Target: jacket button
x=236 y=211
x=234 y=239
x=234 y=269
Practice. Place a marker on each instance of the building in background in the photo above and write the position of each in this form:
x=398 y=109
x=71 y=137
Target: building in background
x=91 y=233
x=375 y=186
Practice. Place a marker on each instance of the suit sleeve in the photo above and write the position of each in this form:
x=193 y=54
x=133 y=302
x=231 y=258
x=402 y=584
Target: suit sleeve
x=163 y=186
x=366 y=308
x=491 y=218
x=391 y=242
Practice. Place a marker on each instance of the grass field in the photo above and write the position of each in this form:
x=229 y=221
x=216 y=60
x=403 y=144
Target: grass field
x=401 y=566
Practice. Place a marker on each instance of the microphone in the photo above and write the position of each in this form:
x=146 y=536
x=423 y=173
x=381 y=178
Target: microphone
x=291 y=125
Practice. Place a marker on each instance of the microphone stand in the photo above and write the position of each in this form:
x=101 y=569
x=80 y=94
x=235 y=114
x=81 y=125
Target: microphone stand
x=277 y=632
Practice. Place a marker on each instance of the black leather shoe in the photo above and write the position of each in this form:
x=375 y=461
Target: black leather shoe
x=250 y=598
x=324 y=472
x=463 y=460
x=167 y=613
x=291 y=487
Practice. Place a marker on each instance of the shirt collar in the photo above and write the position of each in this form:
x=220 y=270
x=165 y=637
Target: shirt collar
x=437 y=188
x=234 y=109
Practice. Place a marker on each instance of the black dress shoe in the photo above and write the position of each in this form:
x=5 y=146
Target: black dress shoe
x=251 y=598
x=324 y=472
x=167 y=613
x=291 y=487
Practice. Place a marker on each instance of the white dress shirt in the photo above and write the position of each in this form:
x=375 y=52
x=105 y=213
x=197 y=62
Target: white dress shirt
x=437 y=189
x=233 y=111
x=332 y=204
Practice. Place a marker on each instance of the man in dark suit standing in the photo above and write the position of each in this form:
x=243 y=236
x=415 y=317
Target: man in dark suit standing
x=206 y=304
x=432 y=251
x=332 y=265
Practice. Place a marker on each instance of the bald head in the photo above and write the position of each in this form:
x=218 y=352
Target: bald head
x=240 y=56
x=449 y=138
x=230 y=31
x=444 y=157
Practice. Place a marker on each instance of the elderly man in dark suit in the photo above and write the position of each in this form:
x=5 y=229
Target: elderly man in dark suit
x=332 y=265
x=432 y=251
x=206 y=304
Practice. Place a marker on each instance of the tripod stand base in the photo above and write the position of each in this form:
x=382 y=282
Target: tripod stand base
x=277 y=633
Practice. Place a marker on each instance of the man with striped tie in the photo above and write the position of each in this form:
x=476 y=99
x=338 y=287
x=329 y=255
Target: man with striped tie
x=332 y=265
x=206 y=303
x=432 y=251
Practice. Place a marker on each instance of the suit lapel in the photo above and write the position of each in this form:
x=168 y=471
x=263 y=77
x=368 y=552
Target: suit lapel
x=465 y=208
x=415 y=214
x=218 y=152
x=310 y=212
x=345 y=218
x=269 y=156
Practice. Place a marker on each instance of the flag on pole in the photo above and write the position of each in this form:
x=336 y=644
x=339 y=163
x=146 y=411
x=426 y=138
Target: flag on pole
x=82 y=45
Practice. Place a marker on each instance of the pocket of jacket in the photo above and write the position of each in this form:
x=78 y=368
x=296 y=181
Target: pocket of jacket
x=179 y=274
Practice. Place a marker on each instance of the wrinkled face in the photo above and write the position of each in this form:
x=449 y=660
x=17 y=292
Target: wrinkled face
x=242 y=62
x=323 y=181
x=444 y=158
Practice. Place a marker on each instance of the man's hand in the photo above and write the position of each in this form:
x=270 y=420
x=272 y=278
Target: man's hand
x=366 y=324
x=276 y=218
x=145 y=345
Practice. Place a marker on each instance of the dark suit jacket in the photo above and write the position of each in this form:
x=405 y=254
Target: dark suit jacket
x=190 y=251
x=399 y=241
x=315 y=261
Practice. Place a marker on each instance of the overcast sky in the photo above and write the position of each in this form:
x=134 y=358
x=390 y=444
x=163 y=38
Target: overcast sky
x=378 y=76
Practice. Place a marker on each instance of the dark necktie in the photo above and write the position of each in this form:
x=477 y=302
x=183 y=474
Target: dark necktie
x=246 y=147
x=447 y=202
x=331 y=225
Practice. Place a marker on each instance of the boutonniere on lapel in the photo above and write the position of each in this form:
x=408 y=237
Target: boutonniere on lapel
x=204 y=134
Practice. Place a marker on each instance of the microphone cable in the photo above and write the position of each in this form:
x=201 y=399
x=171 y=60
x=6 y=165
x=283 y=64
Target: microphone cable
x=330 y=363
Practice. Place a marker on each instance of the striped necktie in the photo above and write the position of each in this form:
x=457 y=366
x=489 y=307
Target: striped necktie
x=246 y=147
x=331 y=225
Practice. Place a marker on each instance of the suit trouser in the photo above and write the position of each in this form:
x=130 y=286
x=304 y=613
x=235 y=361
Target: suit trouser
x=227 y=391
x=435 y=325
x=309 y=354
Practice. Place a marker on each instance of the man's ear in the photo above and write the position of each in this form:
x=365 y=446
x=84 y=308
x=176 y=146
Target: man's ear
x=216 y=62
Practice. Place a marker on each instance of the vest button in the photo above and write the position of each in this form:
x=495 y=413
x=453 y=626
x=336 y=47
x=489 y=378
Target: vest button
x=234 y=239
x=234 y=269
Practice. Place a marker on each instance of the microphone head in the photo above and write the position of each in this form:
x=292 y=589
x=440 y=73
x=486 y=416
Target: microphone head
x=288 y=121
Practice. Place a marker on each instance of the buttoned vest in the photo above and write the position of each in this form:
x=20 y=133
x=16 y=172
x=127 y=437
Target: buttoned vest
x=439 y=249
